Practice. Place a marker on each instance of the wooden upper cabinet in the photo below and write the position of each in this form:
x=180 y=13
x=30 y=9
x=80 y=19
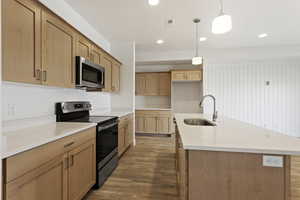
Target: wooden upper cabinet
x=152 y=84
x=83 y=47
x=187 y=75
x=194 y=75
x=21 y=41
x=82 y=170
x=140 y=84
x=40 y=48
x=47 y=182
x=179 y=75
x=96 y=55
x=107 y=63
x=58 y=52
x=164 y=84
x=115 y=79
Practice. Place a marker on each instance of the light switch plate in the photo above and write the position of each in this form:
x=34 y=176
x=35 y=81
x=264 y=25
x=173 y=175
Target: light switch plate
x=273 y=161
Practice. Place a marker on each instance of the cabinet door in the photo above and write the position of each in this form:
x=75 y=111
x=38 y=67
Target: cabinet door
x=182 y=164
x=194 y=75
x=121 y=138
x=107 y=64
x=130 y=130
x=179 y=75
x=82 y=170
x=150 y=124
x=58 y=52
x=139 y=124
x=152 y=84
x=163 y=124
x=96 y=55
x=47 y=182
x=140 y=84
x=164 y=84
x=21 y=41
x=83 y=47
x=115 y=77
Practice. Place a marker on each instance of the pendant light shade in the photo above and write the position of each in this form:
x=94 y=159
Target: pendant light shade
x=197 y=60
x=153 y=2
x=223 y=23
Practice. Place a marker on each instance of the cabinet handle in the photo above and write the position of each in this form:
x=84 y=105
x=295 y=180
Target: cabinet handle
x=38 y=74
x=67 y=163
x=72 y=161
x=45 y=75
x=69 y=144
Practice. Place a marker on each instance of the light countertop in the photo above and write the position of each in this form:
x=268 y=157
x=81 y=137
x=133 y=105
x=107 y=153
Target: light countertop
x=154 y=108
x=234 y=136
x=117 y=112
x=21 y=140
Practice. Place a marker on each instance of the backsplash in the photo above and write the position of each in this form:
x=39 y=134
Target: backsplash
x=23 y=101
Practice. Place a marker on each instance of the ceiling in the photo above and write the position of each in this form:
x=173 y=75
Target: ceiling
x=135 y=20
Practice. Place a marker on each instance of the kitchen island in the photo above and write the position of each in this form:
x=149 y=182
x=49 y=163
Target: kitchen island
x=232 y=160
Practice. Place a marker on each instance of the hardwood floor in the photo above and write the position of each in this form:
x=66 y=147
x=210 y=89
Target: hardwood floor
x=145 y=172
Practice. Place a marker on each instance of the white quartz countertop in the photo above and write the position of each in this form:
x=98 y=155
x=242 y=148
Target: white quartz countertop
x=234 y=136
x=146 y=108
x=24 y=139
x=113 y=112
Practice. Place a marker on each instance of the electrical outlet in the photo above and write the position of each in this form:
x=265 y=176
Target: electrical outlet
x=273 y=161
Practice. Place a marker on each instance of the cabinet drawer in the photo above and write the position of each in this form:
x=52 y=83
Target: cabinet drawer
x=24 y=162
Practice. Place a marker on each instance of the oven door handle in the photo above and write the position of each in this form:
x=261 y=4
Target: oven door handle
x=101 y=128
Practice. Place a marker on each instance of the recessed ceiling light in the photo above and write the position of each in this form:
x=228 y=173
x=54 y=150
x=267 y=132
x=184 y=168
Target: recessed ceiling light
x=160 y=41
x=153 y=2
x=202 y=39
x=263 y=35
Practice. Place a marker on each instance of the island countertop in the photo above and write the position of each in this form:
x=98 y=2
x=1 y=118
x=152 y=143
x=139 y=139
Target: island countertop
x=231 y=135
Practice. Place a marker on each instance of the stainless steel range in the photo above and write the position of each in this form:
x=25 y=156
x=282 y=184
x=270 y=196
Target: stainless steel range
x=106 y=138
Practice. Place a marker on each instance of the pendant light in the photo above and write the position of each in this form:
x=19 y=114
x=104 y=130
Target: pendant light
x=153 y=2
x=197 y=60
x=223 y=23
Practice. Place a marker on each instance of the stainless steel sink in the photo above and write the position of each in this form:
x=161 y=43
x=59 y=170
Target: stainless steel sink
x=198 y=122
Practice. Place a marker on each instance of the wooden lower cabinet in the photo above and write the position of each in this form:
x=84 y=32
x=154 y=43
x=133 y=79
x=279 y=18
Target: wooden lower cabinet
x=148 y=121
x=214 y=175
x=82 y=173
x=47 y=182
x=125 y=133
x=60 y=170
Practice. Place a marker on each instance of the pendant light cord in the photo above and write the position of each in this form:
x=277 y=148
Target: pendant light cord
x=197 y=46
x=221 y=6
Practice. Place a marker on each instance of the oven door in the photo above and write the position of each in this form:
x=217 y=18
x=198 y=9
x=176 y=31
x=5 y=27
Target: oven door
x=89 y=74
x=107 y=143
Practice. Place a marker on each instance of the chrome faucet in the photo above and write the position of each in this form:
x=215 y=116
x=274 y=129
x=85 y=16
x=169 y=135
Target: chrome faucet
x=215 y=115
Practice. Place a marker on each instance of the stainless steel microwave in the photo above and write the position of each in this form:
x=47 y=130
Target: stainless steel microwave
x=88 y=74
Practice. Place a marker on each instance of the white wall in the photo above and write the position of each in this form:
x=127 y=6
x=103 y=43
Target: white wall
x=65 y=11
x=125 y=52
x=21 y=101
x=186 y=96
x=242 y=93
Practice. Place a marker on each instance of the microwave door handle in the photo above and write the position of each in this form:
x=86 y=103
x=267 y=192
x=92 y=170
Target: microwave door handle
x=103 y=77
